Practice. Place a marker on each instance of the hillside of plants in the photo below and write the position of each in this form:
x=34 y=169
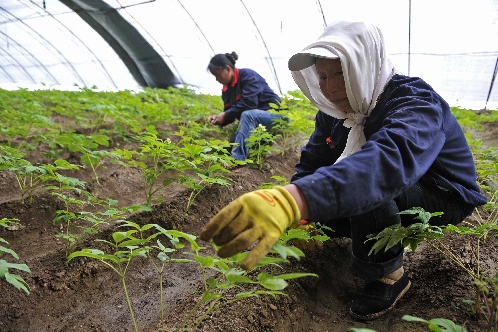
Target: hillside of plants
x=103 y=196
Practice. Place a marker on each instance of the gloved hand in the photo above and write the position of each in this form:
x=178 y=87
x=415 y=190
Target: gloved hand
x=259 y=215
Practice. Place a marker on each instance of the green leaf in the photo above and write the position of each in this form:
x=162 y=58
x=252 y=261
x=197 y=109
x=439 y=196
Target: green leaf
x=288 y=276
x=8 y=251
x=274 y=284
x=101 y=139
x=245 y=295
x=237 y=278
x=204 y=261
x=285 y=251
x=17 y=281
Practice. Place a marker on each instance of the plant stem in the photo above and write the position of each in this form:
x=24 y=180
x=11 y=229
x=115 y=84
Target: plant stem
x=207 y=312
x=161 y=295
x=190 y=314
x=448 y=253
x=128 y=300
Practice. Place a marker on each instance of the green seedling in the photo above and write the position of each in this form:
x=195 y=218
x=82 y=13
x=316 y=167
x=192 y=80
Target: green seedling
x=305 y=233
x=14 y=279
x=485 y=279
x=208 y=160
x=278 y=181
x=78 y=225
x=31 y=177
x=25 y=118
x=223 y=289
x=86 y=145
x=75 y=220
x=135 y=242
x=294 y=130
x=164 y=255
x=259 y=143
x=437 y=324
x=155 y=158
x=126 y=247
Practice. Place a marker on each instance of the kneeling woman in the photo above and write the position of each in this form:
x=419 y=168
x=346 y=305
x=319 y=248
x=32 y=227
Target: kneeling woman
x=246 y=97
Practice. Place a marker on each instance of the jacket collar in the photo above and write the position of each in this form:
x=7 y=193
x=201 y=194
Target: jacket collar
x=234 y=81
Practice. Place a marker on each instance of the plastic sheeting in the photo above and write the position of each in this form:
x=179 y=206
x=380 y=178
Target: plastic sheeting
x=452 y=44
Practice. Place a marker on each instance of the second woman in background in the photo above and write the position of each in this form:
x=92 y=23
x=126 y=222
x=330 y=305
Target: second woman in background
x=246 y=97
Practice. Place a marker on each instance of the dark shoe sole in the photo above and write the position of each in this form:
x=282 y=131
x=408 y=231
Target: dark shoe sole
x=380 y=313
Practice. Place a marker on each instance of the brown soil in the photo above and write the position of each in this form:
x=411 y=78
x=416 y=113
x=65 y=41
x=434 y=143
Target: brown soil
x=85 y=296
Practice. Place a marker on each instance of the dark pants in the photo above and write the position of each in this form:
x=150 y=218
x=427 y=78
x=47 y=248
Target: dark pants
x=374 y=266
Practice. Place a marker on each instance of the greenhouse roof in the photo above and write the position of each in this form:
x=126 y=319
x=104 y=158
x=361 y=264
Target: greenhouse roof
x=126 y=44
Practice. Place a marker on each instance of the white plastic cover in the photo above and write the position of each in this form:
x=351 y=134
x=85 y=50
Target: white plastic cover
x=452 y=44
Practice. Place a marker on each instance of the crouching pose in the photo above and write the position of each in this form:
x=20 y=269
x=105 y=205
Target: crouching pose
x=383 y=143
x=246 y=96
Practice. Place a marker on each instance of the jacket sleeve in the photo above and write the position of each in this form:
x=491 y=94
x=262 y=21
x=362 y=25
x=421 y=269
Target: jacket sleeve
x=251 y=89
x=396 y=155
x=319 y=152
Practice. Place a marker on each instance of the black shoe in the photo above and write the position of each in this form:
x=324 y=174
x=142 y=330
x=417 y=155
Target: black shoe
x=377 y=298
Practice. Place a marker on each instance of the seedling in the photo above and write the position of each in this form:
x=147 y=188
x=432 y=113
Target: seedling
x=31 y=177
x=132 y=243
x=437 y=324
x=485 y=279
x=259 y=143
x=86 y=145
x=218 y=291
x=278 y=181
x=14 y=279
x=155 y=158
x=208 y=160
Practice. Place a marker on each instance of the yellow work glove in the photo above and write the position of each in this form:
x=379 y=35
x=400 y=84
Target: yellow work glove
x=259 y=215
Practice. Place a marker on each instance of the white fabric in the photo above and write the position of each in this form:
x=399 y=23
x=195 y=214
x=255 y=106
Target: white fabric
x=366 y=68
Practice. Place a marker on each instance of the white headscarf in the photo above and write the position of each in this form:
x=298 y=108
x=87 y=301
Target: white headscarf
x=366 y=69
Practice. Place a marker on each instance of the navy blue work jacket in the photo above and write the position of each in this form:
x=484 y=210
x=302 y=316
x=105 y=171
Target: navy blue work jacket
x=411 y=136
x=247 y=91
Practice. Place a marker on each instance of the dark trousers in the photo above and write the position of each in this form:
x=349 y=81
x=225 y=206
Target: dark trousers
x=374 y=266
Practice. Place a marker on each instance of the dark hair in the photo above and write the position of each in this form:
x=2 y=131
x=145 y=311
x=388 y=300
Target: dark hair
x=219 y=61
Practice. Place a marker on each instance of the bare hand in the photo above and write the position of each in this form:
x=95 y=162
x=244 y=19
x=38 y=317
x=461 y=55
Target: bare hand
x=217 y=119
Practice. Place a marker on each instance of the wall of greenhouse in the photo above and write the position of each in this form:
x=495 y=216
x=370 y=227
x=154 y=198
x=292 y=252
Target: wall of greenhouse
x=126 y=44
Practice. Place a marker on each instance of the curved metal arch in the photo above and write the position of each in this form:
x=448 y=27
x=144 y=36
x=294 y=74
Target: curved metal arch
x=152 y=37
x=272 y=65
x=495 y=72
x=197 y=26
x=83 y=44
x=11 y=79
x=144 y=63
x=33 y=57
x=75 y=72
x=319 y=4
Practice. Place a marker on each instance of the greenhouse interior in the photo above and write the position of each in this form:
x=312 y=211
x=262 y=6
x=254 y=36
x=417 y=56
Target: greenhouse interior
x=146 y=187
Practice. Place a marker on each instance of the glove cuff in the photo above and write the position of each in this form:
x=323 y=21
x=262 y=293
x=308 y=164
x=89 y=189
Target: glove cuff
x=294 y=213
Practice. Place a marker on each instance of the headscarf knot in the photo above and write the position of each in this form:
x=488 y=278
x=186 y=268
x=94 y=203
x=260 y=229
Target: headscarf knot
x=354 y=119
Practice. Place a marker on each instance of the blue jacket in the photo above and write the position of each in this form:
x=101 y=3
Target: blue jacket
x=247 y=91
x=411 y=136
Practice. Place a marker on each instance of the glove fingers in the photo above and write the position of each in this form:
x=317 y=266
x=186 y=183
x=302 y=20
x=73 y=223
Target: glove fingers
x=240 y=243
x=231 y=230
x=260 y=250
x=220 y=220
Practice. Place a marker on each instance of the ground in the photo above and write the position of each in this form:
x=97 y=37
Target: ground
x=85 y=296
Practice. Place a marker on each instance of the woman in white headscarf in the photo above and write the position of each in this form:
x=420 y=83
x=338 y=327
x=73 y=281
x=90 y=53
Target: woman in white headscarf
x=383 y=142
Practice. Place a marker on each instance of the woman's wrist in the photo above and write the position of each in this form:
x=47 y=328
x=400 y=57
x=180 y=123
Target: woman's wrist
x=298 y=196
